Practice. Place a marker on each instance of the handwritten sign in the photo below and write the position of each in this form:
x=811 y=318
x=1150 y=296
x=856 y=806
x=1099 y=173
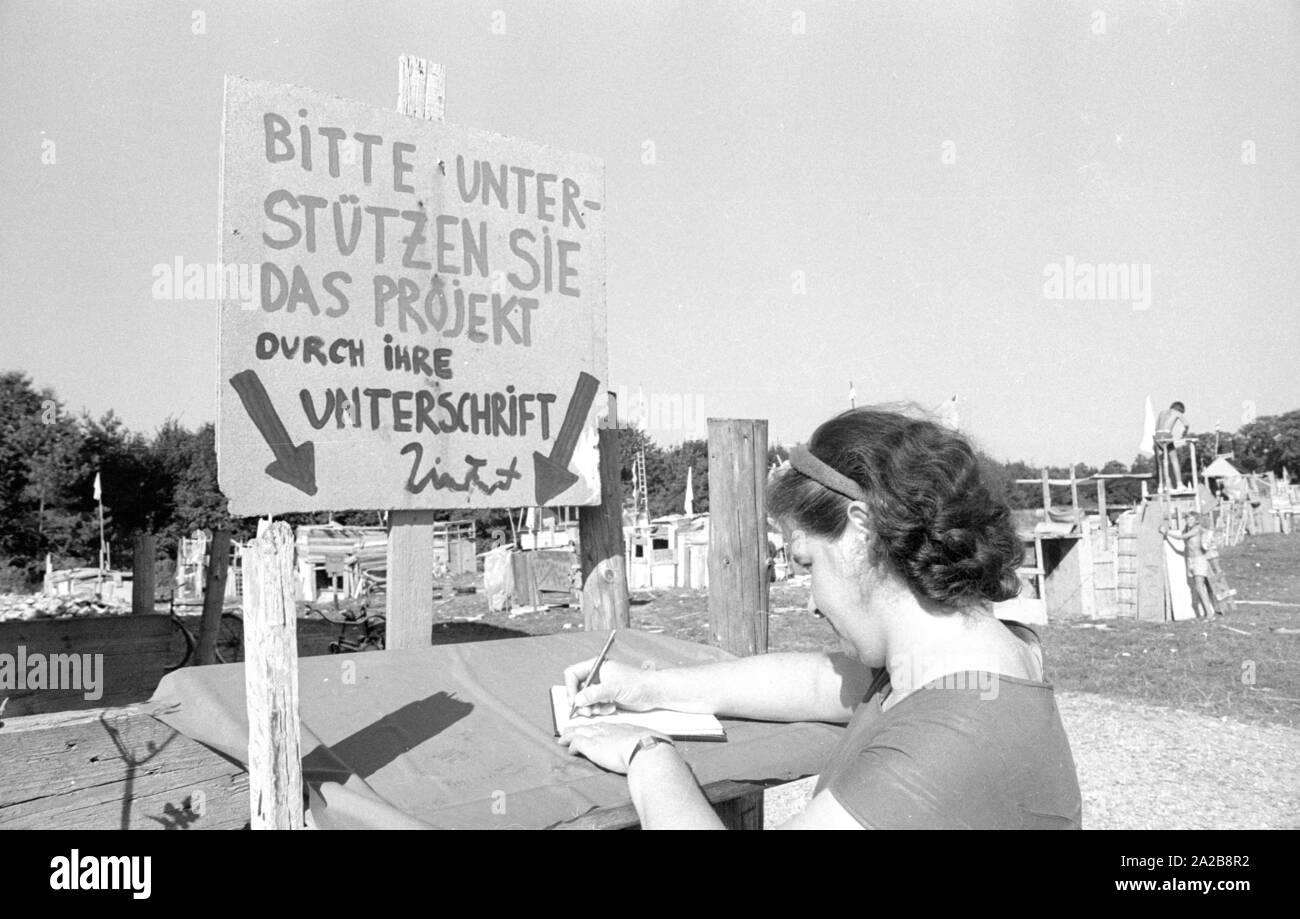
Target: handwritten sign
x=429 y=326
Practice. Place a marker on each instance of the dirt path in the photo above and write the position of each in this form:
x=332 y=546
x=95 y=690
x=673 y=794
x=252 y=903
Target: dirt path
x=1145 y=767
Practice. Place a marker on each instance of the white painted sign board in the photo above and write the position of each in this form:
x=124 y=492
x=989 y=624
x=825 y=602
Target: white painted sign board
x=428 y=322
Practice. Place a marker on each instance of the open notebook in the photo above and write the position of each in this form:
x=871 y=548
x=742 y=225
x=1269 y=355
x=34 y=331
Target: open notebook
x=677 y=725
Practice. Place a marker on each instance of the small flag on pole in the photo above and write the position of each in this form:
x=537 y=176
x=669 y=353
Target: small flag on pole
x=690 y=491
x=1145 y=447
x=98 y=495
x=853 y=396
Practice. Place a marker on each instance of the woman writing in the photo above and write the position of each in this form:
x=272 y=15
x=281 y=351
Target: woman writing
x=949 y=722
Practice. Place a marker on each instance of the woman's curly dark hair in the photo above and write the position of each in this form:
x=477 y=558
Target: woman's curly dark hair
x=944 y=526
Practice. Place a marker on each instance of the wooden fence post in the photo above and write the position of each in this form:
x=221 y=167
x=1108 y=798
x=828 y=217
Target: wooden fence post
x=214 y=596
x=142 y=574
x=421 y=93
x=600 y=539
x=738 y=575
x=738 y=561
x=271 y=681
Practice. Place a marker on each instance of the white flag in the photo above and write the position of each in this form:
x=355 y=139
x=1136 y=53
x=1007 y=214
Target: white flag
x=98 y=495
x=690 y=491
x=1145 y=448
x=853 y=396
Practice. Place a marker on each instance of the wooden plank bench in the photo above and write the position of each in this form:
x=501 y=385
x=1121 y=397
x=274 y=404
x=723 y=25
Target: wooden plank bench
x=114 y=768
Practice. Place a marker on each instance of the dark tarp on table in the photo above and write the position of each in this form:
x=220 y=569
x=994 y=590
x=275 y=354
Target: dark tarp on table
x=461 y=735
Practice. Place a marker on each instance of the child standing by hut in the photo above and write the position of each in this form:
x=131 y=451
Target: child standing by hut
x=1198 y=548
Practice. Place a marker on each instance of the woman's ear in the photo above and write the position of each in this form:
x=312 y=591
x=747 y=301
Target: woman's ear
x=863 y=531
x=859 y=519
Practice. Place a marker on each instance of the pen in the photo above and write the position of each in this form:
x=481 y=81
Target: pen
x=591 y=675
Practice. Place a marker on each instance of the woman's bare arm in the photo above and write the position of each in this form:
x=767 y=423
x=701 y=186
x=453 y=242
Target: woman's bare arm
x=769 y=687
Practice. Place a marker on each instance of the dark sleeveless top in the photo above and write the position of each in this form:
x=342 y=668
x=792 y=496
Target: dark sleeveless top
x=973 y=750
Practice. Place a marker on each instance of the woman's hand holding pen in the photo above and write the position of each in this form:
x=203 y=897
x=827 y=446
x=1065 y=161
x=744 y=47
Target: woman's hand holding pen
x=620 y=686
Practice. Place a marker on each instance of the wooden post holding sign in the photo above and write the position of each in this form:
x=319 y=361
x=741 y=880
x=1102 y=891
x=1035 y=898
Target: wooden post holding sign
x=429 y=326
x=271 y=681
x=214 y=595
x=600 y=538
x=738 y=573
x=142 y=574
x=421 y=93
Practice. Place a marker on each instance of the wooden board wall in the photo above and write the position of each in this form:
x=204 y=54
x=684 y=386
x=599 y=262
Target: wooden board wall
x=136 y=652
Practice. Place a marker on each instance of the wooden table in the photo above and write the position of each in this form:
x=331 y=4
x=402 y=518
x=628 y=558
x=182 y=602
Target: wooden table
x=127 y=767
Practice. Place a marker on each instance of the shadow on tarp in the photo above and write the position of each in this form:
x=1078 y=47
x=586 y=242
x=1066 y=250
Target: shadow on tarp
x=452 y=633
x=370 y=749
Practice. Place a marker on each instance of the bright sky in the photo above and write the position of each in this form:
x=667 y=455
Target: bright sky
x=922 y=165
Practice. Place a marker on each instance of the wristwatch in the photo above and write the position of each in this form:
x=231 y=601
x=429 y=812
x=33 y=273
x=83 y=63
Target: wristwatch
x=645 y=743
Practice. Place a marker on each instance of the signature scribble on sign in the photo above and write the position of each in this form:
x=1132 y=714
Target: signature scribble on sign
x=444 y=480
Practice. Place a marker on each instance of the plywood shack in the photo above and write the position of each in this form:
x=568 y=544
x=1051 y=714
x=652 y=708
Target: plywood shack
x=192 y=561
x=668 y=552
x=1088 y=561
x=331 y=559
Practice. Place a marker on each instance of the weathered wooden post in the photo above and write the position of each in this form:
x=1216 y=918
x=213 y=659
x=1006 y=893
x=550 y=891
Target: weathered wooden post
x=421 y=93
x=142 y=574
x=738 y=575
x=271 y=681
x=214 y=595
x=600 y=539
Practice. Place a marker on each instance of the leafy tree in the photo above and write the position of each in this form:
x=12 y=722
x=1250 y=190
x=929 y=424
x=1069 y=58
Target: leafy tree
x=1269 y=444
x=40 y=467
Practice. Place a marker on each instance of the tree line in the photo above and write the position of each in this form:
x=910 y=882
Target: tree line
x=166 y=483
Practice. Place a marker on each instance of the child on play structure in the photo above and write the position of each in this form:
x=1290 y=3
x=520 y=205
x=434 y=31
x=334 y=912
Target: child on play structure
x=1198 y=546
x=1171 y=427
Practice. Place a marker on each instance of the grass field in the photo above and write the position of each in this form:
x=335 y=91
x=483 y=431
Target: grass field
x=1211 y=668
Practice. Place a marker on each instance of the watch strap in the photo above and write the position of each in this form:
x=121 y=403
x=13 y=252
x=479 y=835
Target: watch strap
x=646 y=743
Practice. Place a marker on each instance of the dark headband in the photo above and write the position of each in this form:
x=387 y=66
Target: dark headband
x=802 y=459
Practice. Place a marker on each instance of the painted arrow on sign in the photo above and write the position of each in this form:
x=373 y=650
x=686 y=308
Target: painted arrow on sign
x=551 y=473
x=294 y=466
